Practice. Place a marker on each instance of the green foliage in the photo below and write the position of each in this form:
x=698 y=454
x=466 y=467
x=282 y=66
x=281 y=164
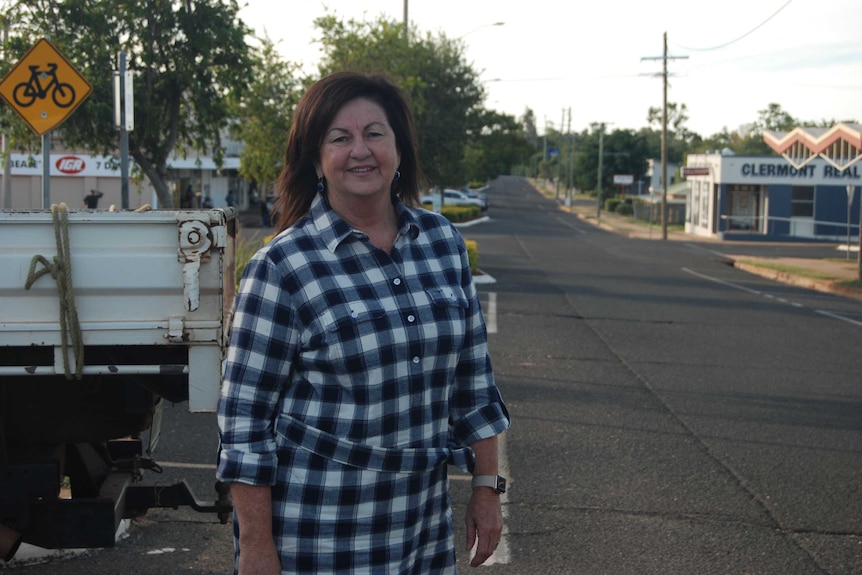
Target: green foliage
x=262 y=117
x=460 y=213
x=443 y=88
x=472 y=255
x=611 y=204
x=496 y=143
x=187 y=58
x=625 y=209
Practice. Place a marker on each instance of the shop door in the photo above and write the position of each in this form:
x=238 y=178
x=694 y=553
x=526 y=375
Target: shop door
x=744 y=204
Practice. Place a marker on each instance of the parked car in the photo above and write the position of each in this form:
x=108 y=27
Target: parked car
x=477 y=195
x=459 y=198
x=451 y=198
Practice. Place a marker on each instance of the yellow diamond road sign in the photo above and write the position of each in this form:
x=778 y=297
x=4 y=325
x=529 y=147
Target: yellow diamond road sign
x=44 y=88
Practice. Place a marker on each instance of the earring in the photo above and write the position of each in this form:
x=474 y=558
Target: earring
x=320 y=185
x=397 y=175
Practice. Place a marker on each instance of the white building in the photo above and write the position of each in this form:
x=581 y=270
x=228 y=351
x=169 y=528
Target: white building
x=73 y=175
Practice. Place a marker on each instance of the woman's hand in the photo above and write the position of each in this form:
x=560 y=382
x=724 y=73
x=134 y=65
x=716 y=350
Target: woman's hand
x=485 y=522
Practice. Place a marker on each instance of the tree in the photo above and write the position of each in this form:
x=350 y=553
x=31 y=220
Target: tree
x=775 y=118
x=187 y=57
x=496 y=143
x=444 y=90
x=263 y=115
x=680 y=139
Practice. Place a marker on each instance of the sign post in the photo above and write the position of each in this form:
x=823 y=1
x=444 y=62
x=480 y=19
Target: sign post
x=124 y=120
x=44 y=88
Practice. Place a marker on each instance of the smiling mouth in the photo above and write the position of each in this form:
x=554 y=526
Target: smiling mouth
x=363 y=170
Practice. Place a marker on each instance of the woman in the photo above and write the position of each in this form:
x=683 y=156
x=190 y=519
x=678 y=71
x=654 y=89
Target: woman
x=358 y=364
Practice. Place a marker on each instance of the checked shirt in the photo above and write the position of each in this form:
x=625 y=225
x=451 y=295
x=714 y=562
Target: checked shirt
x=353 y=378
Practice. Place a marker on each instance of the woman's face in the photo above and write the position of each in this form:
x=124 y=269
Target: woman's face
x=359 y=156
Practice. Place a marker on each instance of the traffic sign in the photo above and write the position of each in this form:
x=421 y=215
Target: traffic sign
x=44 y=87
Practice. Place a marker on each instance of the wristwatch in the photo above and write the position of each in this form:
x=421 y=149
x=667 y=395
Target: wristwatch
x=495 y=482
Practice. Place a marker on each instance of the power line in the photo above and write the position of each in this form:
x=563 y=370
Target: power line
x=774 y=14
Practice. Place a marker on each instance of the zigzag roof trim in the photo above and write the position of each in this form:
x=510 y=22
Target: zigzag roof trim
x=815 y=139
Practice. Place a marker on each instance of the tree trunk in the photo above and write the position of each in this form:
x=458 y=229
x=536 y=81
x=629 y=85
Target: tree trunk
x=157 y=175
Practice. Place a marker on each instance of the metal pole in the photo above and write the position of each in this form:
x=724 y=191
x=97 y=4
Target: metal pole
x=850 y=188
x=859 y=245
x=7 y=173
x=599 y=178
x=664 y=144
x=46 y=171
x=124 y=135
x=7 y=150
x=406 y=23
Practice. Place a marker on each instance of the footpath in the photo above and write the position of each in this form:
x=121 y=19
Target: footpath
x=830 y=275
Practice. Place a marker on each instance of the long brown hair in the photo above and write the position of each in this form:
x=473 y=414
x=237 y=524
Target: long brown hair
x=297 y=184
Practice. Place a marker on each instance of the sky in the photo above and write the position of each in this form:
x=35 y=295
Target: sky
x=603 y=60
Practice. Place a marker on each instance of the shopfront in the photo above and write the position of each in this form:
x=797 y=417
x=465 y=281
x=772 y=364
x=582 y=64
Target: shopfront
x=73 y=175
x=765 y=197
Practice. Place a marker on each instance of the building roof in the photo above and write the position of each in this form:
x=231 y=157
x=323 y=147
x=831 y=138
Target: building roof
x=840 y=145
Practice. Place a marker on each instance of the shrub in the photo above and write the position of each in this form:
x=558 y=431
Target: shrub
x=611 y=204
x=244 y=250
x=625 y=209
x=473 y=255
x=458 y=214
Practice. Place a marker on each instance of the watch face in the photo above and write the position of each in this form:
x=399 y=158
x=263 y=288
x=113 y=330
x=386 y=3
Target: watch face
x=501 y=484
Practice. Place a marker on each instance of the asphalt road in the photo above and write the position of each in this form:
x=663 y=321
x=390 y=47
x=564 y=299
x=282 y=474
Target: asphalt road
x=671 y=414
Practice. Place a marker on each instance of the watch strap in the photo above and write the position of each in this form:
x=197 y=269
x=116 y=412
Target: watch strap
x=495 y=482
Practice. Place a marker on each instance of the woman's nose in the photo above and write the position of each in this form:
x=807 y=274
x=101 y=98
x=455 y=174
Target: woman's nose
x=360 y=148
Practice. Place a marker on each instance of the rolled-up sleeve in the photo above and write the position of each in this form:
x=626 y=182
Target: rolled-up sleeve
x=262 y=342
x=477 y=410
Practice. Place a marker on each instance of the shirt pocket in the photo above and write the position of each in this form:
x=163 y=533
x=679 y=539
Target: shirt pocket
x=353 y=320
x=448 y=308
x=447 y=297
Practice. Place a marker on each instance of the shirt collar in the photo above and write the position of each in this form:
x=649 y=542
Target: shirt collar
x=334 y=230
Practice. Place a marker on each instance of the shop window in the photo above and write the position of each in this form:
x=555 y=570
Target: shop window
x=802 y=202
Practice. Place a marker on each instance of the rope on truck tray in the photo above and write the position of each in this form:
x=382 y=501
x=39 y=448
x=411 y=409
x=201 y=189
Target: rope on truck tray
x=61 y=270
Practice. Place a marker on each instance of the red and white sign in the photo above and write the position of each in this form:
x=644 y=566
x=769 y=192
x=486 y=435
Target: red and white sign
x=695 y=171
x=70 y=165
x=74 y=165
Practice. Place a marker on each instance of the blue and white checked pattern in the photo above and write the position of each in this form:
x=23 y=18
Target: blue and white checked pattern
x=352 y=378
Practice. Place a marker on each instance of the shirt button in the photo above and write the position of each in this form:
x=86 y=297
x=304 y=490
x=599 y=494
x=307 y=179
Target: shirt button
x=416 y=359
x=411 y=318
x=397 y=281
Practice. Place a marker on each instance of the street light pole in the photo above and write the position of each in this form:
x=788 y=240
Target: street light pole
x=406 y=23
x=479 y=28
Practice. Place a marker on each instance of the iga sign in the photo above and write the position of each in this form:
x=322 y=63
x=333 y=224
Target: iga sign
x=74 y=165
x=70 y=165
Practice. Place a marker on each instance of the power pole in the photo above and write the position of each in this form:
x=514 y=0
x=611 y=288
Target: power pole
x=599 y=178
x=664 y=57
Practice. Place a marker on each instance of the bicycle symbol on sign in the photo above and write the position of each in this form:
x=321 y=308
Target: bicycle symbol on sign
x=26 y=93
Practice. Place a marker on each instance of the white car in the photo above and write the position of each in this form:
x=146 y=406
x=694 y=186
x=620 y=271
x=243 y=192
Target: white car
x=459 y=198
x=451 y=198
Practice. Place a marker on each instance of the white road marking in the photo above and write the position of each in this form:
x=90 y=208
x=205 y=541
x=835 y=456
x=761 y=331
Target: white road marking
x=491 y=314
x=833 y=315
